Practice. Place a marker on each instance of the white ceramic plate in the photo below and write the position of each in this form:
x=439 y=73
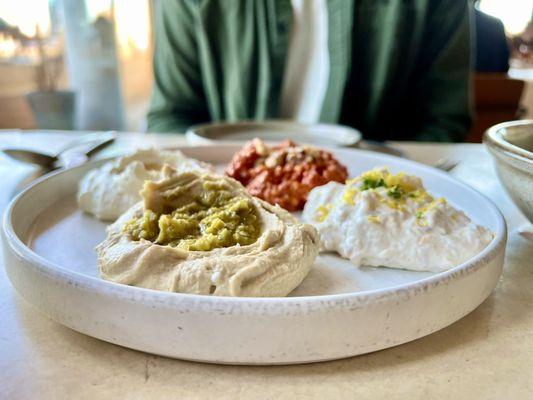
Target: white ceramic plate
x=338 y=311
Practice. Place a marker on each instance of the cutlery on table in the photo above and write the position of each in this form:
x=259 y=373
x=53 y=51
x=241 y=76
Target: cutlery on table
x=444 y=164
x=92 y=143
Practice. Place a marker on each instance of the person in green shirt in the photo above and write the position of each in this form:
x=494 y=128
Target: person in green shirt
x=394 y=69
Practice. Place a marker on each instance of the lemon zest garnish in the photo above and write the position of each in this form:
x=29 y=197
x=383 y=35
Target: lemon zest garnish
x=353 y=180
x=420 y=196
x=422 y=222
x=394 y=205
x=401 y=183
x=399 y=188
x=374 y=219
x=374 y=174
x=349 y=195
x=421 y=213
x=322 y=212
x=432 y=205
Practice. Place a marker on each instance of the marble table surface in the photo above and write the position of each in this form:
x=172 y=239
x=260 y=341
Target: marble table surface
x=486 y=355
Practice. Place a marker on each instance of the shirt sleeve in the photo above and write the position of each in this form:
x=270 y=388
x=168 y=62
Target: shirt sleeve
x=178 y=99
x=442 y=75
x=503 y=47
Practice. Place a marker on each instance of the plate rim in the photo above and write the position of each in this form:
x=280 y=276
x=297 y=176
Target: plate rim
x=126 y=292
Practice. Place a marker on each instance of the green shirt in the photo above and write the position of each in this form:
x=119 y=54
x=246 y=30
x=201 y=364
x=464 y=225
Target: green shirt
x=399 y=69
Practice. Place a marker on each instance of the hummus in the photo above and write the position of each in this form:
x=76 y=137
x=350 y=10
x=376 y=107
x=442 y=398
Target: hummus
x=204 y=234
x=381 y=219
x=108 y=191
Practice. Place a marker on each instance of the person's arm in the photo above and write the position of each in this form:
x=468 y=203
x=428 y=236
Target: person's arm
x=178 y=99
x=442 y=77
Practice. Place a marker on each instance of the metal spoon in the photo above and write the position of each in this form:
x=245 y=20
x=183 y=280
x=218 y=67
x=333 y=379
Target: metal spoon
x=444 y=164
x=31 y=157
x=46 y=161
x=379 y=147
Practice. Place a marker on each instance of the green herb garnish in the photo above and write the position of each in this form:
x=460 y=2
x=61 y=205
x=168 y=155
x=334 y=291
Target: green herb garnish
x=372 y=183
x=395 y=192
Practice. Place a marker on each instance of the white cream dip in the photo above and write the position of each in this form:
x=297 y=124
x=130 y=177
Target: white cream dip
x=381 y=219
x=110 y=190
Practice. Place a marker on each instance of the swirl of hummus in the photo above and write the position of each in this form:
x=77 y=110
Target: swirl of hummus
x=270 y=256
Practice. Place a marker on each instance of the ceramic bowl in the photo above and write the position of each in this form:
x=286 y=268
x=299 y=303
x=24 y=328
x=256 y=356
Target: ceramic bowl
x=511 y=145
x=274 y=131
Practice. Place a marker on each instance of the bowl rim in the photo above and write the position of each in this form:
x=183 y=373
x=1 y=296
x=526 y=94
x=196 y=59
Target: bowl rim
x=495 y=138
x=199 y=130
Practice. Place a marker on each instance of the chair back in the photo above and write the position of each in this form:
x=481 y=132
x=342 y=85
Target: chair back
x=496 y=99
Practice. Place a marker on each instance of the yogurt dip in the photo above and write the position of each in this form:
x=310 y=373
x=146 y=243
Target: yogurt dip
x=109 y=191
x=381 y=219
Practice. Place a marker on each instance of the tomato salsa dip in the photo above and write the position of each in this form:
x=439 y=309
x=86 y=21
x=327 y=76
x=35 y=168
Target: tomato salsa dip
x=284 y=174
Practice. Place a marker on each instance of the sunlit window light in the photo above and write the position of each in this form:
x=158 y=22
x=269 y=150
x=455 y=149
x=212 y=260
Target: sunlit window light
x=132 y=25
x=515 y=14
x=17 y=13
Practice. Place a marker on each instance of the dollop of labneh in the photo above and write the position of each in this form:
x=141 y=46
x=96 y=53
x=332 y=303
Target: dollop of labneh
x=390 y=220
x=110 y=190
x=205 y=234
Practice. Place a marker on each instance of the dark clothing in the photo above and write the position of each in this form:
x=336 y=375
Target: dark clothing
x=492 y=50
x=399 y=69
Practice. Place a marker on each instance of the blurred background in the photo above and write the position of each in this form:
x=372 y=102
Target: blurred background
x=86 y=64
